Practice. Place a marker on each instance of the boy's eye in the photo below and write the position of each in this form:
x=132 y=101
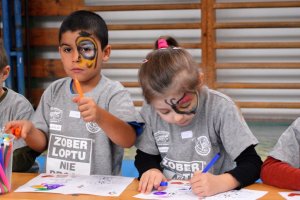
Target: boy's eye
x=66 y=49
x=87 y=50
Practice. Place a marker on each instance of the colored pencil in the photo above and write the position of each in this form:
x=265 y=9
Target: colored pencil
x=7 y=155
x=1 y=155
x=4 y=178
x=78 y=88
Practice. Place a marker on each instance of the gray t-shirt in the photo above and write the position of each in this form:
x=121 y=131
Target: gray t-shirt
x=217 y=126
x=74 y=146
x=15 y=107
x=287 y=148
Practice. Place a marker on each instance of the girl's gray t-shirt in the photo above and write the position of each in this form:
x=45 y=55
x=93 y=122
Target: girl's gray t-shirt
x=76 y=146
x=217 y=126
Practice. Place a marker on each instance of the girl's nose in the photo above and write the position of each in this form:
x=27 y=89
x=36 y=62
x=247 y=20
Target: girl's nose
x=178 y=117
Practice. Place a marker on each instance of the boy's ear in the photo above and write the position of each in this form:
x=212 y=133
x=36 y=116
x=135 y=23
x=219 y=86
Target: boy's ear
x=106 y=53
x=201 y=79
x=5 y=72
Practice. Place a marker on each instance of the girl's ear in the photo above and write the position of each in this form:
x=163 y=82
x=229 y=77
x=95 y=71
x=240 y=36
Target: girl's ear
x=106 y=53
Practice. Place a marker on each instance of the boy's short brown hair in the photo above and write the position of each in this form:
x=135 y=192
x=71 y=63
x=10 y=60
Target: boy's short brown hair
x=3 y=56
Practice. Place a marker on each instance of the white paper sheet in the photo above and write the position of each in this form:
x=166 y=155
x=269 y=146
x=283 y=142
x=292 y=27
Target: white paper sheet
x=178 y=190
x=295 y=195
x=77 y=184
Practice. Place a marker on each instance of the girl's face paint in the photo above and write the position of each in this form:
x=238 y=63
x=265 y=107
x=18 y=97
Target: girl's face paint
x=186 y=104
x=87 y=49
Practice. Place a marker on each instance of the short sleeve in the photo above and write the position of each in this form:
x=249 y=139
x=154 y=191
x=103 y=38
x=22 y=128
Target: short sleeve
x=40 y=118
x=146 y=142
x=287 y=147
x=25 y=111
x=234 y=131
x=121 y=105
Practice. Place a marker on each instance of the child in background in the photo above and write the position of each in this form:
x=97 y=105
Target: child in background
x=14 y=106
x=187 y=124
x=84 y=135
x=282 y=166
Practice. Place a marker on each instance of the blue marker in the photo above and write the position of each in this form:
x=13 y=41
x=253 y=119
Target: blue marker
x=163 y=183
x=211 y=163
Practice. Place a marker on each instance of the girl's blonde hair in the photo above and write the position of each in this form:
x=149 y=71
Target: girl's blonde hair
x=168 y=70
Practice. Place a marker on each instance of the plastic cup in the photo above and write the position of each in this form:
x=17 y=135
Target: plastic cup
x=6 y=157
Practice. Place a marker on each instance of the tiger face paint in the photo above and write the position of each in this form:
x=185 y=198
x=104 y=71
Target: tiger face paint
x=87 y=50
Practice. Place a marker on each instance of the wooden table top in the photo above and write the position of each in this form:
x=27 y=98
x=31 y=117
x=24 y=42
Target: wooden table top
x=19 y=179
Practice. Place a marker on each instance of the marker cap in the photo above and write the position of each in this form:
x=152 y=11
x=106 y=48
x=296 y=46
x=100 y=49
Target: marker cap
x=163 y=183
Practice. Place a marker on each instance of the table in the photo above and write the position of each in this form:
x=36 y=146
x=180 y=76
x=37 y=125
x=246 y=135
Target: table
x=19 y=179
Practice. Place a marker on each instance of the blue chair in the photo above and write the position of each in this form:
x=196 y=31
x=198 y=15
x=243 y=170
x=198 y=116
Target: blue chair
x=128 y=169
x=41 y=161
x=258 y=181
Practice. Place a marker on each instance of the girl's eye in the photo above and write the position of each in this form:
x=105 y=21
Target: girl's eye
x=164 y=112
x=183 y=106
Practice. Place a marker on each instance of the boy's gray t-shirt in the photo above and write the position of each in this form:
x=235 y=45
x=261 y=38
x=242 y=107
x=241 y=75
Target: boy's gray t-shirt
x=217 y=126
x=15 y=107
x=287 y=148
x=75 y=146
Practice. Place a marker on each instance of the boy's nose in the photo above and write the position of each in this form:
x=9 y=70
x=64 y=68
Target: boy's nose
x=76 y=56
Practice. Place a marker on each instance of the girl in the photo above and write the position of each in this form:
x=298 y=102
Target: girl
x=187 y=124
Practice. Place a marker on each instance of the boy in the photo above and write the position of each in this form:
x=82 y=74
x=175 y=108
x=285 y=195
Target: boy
x=14 y=106
x=84 y=134
x=282 y=166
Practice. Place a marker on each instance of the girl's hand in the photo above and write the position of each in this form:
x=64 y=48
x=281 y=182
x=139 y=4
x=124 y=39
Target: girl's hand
x=151 y=179
x=205 y=184
x=88 y=109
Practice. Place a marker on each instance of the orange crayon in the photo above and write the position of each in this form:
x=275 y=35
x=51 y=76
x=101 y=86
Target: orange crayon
x=78 y=88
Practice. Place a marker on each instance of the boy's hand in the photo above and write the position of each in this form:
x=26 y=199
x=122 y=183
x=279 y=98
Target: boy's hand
x=23 y=126
x=88 y=109
x=151 y=179
x=205 y=184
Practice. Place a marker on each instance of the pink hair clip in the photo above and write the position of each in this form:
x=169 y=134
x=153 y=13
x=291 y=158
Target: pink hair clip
x=162 y=43
x=145 y=60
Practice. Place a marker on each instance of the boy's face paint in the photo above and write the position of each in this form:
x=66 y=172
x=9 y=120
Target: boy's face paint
x=87 y=49
x=187 y=104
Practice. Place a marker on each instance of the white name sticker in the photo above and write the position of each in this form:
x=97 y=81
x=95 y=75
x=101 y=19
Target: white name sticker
x=186 y=134
x=74 y=114
x=163 y=149
x=55 y=127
